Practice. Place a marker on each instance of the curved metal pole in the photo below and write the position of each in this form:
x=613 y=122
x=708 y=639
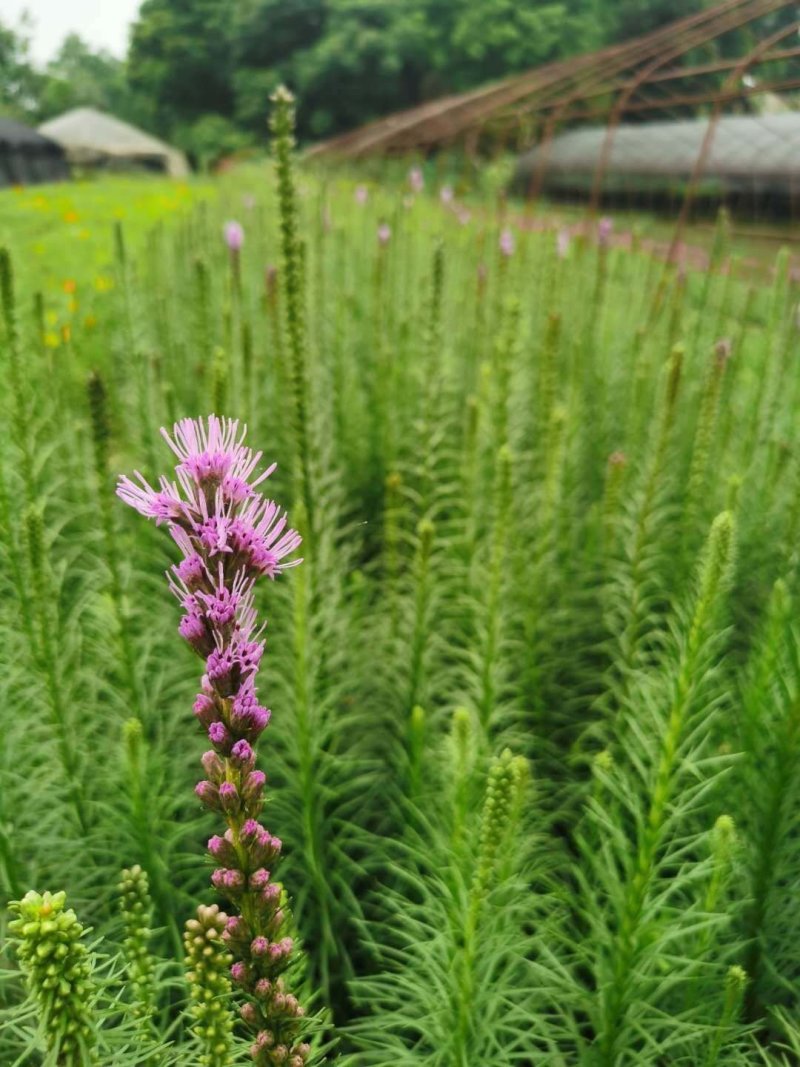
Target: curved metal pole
x=644 y=75
x=736 y=74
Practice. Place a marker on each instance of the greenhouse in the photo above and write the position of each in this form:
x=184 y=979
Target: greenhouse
x=26 y=157
x=745 y=154
x=93 y=139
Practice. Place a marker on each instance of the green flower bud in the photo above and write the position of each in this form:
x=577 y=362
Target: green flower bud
x=137 y=909
x=208 y=963
x=507 y=777
x=49 y=944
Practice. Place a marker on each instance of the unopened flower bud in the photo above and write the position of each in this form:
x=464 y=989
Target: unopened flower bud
x=242 y=755
x=249 y=1013
x=213 y=766
x=259 y=946
x=229 y=798
x=208 y=793
x=253 y=787
x=218 y=735
x=259 y=879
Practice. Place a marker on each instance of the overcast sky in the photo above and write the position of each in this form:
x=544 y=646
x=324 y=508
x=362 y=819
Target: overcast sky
x=103 y=23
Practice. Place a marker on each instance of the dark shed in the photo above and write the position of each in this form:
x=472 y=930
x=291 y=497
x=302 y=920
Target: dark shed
x=26 y=157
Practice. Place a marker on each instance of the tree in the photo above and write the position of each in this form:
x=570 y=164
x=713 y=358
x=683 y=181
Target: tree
x=20 y=84
x=80 y=77
x=180 y=60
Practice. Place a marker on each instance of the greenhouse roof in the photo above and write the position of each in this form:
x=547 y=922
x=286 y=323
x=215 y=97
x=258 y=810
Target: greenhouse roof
x=749 y=146
x=87 y=134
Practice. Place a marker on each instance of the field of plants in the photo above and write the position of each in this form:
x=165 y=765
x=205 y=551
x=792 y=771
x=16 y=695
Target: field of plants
x=528 y=789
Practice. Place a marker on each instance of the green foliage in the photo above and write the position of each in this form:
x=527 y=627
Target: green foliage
x=534 y=746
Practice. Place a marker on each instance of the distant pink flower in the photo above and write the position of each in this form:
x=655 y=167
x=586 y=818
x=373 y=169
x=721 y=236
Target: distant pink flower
x=361 y=194
x=604 y=230
x=463 y=215
x=446 y=194
x=416 y=180
x=234 y=235
x=507 y=243
x=562 y=243
x=384 y=233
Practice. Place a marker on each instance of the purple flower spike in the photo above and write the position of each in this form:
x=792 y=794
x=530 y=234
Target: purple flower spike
x=416 y=180
x=384 y=233
x=230 y=535
x=234 y=235
x=507 y=243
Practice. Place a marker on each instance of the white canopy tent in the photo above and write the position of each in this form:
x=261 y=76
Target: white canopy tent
x=92 y=138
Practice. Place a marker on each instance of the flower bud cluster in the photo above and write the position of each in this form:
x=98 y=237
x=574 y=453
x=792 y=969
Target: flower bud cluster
x=208 y=961
x=50 y=949
x=137 y=910
x=507 y=776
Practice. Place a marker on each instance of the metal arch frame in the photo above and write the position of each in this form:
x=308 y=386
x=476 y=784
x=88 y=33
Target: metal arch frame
x=646 y=76
x=552 y=91
x=745 y=64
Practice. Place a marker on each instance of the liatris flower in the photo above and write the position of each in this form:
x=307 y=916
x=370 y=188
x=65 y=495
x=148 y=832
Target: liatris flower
x=361 y=194
x=605 y=228
x=230 y=536
x=507 y=243
x=234 y=235
x=562 y=243
x=208 y=961
x=50 y=948
x=507 y=778
x=136 y=908
x=384 y=233
x=464 y=215
x=416 y=180
x=446 y=194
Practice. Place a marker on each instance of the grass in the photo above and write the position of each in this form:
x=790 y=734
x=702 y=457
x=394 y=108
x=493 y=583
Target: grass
x=534 y=749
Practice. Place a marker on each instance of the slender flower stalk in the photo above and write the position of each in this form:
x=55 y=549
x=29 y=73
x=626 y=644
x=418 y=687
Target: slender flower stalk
x=282 y=124
x=230 y=536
